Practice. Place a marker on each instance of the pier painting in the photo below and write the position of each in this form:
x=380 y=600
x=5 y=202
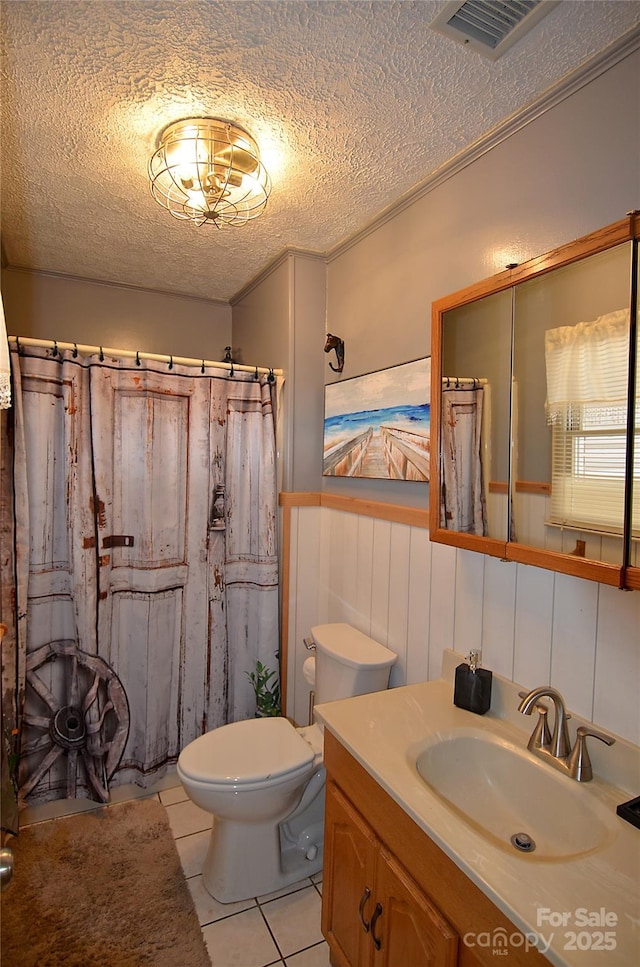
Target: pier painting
x=377 y=425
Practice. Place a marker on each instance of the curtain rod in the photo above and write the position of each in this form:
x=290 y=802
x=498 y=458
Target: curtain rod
x=19 y=341
x=456 y=380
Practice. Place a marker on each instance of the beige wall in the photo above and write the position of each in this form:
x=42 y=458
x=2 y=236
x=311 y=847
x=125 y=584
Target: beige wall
x=262 y=330
x=309 y=340
x=570 y=171
x=47 y=306
x=280 y=319
x=261 y=318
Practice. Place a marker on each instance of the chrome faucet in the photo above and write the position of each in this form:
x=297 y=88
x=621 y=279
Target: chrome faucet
x=555 y=747
x=559 y=746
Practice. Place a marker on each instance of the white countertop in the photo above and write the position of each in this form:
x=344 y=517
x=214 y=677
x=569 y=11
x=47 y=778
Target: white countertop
x=598 y=893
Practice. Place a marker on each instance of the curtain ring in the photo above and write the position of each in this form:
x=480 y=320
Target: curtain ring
x=171 y=362
x=255 y=375
x=101 y=356
x=18 y=345
x=75 y=350
x=271 y=378
x=202 y=368
x=54 y=351
x=231 y=370
x=138 y=363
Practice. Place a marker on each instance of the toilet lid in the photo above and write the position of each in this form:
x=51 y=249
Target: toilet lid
x=351 y=647
x=249 y=751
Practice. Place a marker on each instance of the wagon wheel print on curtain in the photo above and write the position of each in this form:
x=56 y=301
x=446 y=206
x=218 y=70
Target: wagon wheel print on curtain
x=84 y=716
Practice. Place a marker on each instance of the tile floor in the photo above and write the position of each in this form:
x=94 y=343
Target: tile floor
x=278 y=929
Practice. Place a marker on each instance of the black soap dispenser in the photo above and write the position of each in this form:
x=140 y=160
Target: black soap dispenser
x=472 y=689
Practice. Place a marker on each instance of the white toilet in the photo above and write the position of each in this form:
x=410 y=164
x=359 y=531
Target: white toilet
x=263 y=779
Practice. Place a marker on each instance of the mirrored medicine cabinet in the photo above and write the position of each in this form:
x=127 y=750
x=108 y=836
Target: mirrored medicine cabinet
x=535 y=411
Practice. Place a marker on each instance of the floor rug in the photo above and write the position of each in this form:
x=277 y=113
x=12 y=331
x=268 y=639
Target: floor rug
x=100 y=889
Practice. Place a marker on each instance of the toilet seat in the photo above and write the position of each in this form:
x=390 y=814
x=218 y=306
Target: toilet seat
x=244 y=753
x=313 y=736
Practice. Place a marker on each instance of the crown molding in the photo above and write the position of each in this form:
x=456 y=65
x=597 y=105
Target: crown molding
x=24 y=270
x=286 y=254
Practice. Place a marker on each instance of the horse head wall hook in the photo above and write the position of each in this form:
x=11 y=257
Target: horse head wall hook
x=335 y=342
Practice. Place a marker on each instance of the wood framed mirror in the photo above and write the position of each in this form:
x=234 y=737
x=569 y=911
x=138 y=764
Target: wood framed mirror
x=632 y=569
x=534 y=411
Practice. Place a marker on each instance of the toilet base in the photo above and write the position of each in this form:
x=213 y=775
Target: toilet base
x=244 y=860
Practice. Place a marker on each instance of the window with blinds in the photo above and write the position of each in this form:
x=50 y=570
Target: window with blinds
x=587 y=371
x=588 y=461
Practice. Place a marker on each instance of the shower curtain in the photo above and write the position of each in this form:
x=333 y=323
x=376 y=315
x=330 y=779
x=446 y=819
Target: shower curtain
x=146 y=562
x=463 y=505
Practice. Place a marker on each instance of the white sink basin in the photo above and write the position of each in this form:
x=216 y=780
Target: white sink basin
x=501 y=791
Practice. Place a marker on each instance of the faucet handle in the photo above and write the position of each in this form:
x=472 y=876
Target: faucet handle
x=584 y=730
x=579 y=761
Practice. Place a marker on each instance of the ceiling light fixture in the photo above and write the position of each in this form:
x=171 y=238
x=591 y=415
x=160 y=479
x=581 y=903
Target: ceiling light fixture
x=208 y=170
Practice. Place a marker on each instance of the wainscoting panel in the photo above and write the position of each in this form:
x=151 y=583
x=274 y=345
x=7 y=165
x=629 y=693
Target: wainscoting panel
x=617 y=676
x=469 y=601
x=443 y=605
x=364 y=590
x=303 y=604
x=419 y=588
x=498 y=617
x=573 y=642
x=417 y=598
x=534 y=625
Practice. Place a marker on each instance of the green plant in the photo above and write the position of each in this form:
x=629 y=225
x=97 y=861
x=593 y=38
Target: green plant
x=267 y=691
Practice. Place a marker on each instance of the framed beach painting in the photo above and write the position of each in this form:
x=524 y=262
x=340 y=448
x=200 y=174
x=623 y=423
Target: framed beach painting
x=377 y=425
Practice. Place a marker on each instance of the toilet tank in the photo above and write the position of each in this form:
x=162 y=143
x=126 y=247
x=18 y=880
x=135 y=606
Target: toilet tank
x=348 y=663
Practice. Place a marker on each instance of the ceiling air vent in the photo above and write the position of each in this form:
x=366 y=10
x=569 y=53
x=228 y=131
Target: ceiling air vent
x=489 y=26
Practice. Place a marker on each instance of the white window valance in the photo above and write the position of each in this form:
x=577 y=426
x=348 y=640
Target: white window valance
x=587 y=363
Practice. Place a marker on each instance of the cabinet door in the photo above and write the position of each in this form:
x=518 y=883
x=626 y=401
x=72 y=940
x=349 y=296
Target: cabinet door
x=406 y=928
x=348 y=887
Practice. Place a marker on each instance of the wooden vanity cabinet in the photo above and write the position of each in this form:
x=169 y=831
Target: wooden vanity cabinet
x=348 y=880
x=396 y=923
x=391 y=897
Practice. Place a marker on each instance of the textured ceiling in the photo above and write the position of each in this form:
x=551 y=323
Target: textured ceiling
x=352 y=104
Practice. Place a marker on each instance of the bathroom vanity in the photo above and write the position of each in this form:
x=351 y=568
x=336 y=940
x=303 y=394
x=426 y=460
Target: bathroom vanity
x=413 y=904
x=412 y=879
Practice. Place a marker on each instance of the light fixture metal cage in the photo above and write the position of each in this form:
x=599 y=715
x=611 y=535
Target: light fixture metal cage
x=208 y=170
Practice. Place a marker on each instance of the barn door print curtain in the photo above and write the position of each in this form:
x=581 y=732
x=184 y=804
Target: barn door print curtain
x=462 y=496
x=146 y=562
